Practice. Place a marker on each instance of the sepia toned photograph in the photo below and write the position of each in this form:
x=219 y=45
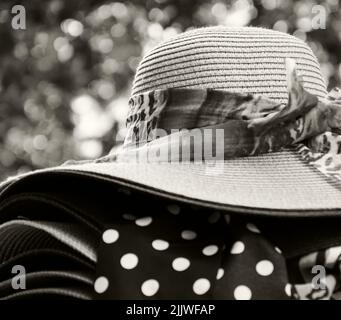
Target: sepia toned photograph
x=187 y=151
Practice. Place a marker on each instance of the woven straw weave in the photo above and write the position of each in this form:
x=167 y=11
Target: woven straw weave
x=247 y=60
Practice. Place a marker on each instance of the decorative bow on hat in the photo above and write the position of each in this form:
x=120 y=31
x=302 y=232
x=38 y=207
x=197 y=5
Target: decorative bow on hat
x=249 y=125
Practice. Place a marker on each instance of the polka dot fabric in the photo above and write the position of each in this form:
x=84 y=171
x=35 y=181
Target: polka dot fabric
x=177 y=251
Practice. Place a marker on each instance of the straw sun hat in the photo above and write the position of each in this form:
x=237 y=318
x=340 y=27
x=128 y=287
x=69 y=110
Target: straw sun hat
x=176 y=79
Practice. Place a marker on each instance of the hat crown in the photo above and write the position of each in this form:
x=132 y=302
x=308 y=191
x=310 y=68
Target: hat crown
x=244 y=60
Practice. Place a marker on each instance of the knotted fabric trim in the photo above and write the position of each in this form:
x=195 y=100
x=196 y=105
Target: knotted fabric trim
x=164 y=123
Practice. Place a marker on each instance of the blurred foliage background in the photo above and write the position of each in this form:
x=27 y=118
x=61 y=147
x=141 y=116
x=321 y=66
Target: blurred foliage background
x=65 y=80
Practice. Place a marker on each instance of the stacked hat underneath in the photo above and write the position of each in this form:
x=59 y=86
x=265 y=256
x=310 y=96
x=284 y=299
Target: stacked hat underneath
x=48 y=246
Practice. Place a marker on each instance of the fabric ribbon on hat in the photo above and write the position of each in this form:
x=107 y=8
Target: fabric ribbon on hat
x=324 y=150
x=249 y=125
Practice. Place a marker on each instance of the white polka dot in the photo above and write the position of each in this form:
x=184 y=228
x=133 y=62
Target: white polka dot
x=128 y=216
x=143 y=222
x=180 y=264
x=188 y=235
x=173 y=209
x=150 y=287
x=227 y=218
x=288 y=289
x=278 y=250
x=101 y=284
x=252 y=228
x=214 y=217
x=237 y=248
x=110 y=236
x=201 y=286
x=242 y=293
x=210 y=250
x=160 y=245
x=220 y=273
x=129 y=261
x=264 y=267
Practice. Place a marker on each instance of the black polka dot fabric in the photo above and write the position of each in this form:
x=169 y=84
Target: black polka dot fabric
x=173 y=251
x=132 y=244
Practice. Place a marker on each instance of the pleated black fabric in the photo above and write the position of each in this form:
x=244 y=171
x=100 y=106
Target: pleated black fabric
x=148 y=247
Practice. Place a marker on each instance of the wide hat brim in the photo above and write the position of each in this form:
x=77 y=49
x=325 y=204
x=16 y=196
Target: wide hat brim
x=274 y=184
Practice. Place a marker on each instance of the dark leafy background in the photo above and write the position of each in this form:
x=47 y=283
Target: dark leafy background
x=65 y=80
